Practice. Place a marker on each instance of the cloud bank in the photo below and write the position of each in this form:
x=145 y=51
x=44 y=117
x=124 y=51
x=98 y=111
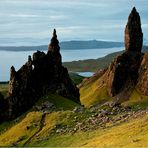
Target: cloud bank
x=31 y=20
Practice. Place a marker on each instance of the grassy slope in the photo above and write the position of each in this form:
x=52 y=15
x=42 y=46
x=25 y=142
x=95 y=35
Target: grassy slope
x=19 y=132
x=91 y=64
x=133 y=133
x=59 y=102
x=137 y=101
x=91 y=93
x=4 y=89
x=12 y=132
x=130 y=134
x=77 y=79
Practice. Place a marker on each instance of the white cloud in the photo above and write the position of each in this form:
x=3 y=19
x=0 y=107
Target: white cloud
x=83 y=19
x=24 y=15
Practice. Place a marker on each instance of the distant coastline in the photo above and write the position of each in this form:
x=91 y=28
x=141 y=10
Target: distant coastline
x=67 y=45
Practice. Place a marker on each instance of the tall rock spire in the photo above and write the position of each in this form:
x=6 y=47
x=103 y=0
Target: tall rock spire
x=54 y=49
x=54 y=44
x=39 y=76
x=133 y=32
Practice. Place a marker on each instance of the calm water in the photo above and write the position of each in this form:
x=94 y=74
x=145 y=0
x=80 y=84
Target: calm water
x=85 y=74
x=7 y=58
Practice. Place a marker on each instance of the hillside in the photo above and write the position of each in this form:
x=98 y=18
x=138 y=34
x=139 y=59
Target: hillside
x=109 y=109
x=67 y=45
x=78 y=128
x=92 y=65
x=125 y=79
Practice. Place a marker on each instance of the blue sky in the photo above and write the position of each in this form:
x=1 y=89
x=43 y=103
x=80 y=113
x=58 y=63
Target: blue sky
x=30 y=22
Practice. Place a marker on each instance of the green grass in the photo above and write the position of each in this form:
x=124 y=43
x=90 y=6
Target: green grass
x=137 y=101
x=7 y=129
x=8 y=124
x=77 y=79
x=4 y=89
x=19 y=131
x=59 y=102
x=92 y=65
x=92 y=92
x=132 y=133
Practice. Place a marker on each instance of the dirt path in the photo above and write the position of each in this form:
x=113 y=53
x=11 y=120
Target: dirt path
x=41 y=127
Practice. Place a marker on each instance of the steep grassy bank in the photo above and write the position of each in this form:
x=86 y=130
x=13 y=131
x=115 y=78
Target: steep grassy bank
x=86 y=127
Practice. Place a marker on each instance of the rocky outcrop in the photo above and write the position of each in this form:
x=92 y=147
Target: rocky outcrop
x=123 y=73
x=3 y=107
x=143 y=76
x=42 y=74
x=133 y=32
x=126 y=72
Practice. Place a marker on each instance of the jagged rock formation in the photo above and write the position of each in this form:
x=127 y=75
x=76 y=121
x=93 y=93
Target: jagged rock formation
x=133 y=32
x=124 y=71
x=127 y=72
x=42 y=74
x=143 y=76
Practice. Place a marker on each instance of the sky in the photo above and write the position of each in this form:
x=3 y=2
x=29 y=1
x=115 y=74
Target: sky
x=31 y=22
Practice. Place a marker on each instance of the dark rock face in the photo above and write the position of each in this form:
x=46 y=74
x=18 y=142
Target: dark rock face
x=123 y=72
x=1 y=105
x=143 y=76
x=3 y=108
x=42 y=74
x=133 y=32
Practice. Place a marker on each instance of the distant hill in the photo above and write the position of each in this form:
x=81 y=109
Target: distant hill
x=93 y=65
x=67 y=45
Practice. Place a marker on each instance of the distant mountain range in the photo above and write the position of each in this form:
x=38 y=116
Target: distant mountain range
x=67 y=45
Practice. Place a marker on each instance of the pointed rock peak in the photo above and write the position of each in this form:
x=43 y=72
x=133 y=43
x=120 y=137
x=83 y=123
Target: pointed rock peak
x=54 y=33
x=12 y=69
x=12 y=72
x=133 y=32
x=134 y=9
x=54 y=44
x=134 y=14
x=29 y=58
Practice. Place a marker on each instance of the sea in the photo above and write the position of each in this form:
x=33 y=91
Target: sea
x=17 y=59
